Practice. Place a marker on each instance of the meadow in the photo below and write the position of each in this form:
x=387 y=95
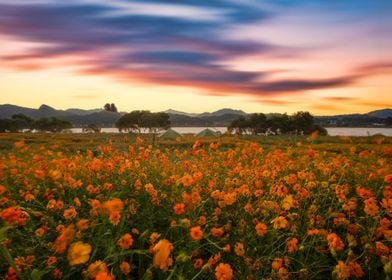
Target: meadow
x=117 y=206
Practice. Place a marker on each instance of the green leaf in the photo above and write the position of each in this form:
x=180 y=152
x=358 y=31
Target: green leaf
x=6 y=254
x=36 y=274
x=3 y=232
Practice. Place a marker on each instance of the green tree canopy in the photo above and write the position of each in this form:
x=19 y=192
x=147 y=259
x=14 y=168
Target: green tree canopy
x=52 y=124
x=298 y=123
x=143 y=120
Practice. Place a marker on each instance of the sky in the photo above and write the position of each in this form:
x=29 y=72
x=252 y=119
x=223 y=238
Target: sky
x=325 y=57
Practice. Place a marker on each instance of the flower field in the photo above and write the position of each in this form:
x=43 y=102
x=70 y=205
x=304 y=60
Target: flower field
x=216 y=209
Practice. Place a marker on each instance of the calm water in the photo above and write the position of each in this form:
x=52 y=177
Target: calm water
x=332 y=131
x=358 y=131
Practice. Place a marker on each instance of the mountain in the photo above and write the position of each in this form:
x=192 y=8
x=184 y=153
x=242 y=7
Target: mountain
x=81 y=112
x=382 y=114
x=175 y=112
x=220 y=118
x=224 y=111
x=78 y=117
x=7 y=110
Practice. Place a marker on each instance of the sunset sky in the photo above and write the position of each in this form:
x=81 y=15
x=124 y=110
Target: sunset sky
x=326 y=57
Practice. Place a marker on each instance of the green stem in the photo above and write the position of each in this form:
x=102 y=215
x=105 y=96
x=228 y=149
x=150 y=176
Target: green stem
x=6 y=254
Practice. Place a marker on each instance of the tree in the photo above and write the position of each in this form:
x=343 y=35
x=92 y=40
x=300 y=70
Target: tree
x=110 y=107
x=22 y=121
x=113 y=108
x=257 y=123
x=303 y=121
x=238 y=126
x=137 y=120
x=280 y=123
x=7 y=125
x=53 y=124
x=17 y=123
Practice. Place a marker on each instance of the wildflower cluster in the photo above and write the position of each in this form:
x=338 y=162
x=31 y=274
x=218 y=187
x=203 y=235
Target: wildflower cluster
x=208 y=211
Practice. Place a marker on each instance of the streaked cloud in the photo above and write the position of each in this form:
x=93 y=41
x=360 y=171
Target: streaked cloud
x=255 y=49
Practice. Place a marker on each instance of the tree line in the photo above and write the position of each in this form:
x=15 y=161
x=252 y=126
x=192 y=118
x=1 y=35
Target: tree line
x=259 y=123
x=21 y=122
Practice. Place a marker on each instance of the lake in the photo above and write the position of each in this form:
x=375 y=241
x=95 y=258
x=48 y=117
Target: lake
x=332 y=131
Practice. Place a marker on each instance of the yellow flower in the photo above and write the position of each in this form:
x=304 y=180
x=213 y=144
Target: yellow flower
x=78 y=253
x=287 y=202
x=162 y=252
x=342 y=271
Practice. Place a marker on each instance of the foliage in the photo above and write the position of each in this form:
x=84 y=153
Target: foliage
x=110 y=107
x=137 y=120
x=258 y=123
x=20 y=122
x=52 y=124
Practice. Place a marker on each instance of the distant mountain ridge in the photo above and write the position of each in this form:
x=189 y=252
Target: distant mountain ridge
x=382 y=114
x=222 y=117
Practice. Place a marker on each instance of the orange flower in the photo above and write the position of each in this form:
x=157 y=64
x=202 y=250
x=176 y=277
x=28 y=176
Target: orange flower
x=342 y=271
x=3 y=189
x=186 y=180
x=388 y=234
x=77 y=202
x=223 y=271
x=202 y=220
x=239 y=249
x=364 y=193
x=381 y=249
x=94 y=268
x=125 y=242
x=78 y=253
x=104 y=275
x=387 y=204
x=52 y=260
x=125 y=268
x=96 y=164
x=162 y=252
x=57 y=274
x=62 y=241
x=313 y=232
x=13 y=215
x=214 y=259
x=261 y=229
x=280 y=223
x=154 y=236
x=39 y=174
x=371 y=207
x=115 y=204
x=356 y=269
x=179 y=208
x=115 y=217
x=198 y=263
x=217 y=232
x=334 y=242
x=196 y=233
x=277 y=263
x=95 y=203
x=292 y=245
x=388 y=178
x=70 y=213
x=82 y=224
x=230 y=198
